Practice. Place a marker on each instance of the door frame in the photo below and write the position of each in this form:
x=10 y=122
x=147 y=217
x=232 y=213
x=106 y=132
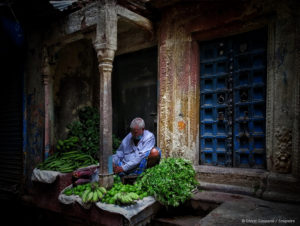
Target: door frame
x=231 y=30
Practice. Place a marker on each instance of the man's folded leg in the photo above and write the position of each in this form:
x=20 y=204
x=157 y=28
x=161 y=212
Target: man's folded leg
x=154 y=157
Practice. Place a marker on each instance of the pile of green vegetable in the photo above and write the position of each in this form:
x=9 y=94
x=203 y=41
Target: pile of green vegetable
x=81 y=147
x=171 y=182
x=66 y=162
x=86 y=130
x=124 y=194
x=119 y=194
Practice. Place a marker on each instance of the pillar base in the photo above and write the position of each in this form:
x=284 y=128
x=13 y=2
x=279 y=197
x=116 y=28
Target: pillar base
x=106 y=180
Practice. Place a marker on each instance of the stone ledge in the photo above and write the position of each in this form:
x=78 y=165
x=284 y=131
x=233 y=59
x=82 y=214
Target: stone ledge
x=251 y=182
x=218 y=197
x=259 y=193
x=281 y=197
x=232 y=176
x=233 y=189
x=282 y=183
x=227 y=170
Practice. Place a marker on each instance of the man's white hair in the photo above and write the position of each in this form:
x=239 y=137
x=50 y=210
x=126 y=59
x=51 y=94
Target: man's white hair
x=137 y=122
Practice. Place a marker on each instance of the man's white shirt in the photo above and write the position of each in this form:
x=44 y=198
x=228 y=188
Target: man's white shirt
x=130 y=155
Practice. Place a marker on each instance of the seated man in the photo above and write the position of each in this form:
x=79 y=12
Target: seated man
x=136 y=151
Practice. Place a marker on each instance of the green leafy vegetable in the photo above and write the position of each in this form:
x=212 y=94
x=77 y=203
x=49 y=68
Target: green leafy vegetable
x=83 y=133
x=171 y=182
x=68 y=144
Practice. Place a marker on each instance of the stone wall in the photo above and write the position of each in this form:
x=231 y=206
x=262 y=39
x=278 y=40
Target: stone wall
x=75 y=83
x=34 y=105
x=178 y=108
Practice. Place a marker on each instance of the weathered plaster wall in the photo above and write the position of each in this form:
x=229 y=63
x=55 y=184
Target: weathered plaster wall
x=178 y=88
x=75 y=83
x=34 y=104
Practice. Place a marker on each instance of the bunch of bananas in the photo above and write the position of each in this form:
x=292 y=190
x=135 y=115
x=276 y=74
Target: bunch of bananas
x=66 y=162
x=90 y=192
x=93 y=193
x=124 y=194
x=122 y=198
x=76 y=190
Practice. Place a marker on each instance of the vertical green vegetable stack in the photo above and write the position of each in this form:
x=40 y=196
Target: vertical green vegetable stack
x=81 y=147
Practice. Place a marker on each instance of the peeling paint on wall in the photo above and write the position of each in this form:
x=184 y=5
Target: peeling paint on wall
x=35 y=121
x=178 y=124
x=33 y=101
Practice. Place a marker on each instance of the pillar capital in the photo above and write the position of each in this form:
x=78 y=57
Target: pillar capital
x=45 y=68
x=45 y=79
x=105 y=59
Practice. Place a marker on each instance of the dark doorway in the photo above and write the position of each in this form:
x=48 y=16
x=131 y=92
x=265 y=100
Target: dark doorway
x=134 y=90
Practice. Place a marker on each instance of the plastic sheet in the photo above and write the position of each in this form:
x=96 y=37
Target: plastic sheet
x=128 y=211
x=70 y=199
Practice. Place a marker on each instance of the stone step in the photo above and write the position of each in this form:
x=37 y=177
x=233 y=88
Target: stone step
x=178 y=221
x=189 y=213
x=227 y=209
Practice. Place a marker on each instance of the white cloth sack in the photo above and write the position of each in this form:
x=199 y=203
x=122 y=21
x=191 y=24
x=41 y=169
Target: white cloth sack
x=49 y=176
x=44 y=176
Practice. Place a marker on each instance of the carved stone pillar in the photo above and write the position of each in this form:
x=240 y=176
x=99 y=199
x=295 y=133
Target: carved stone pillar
x=283 y=94
x=105 y=45
x=46 y=76
x=105 y=58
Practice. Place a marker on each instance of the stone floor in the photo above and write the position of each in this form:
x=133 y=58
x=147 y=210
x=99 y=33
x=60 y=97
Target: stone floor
x=229 y=210
x=206 y=208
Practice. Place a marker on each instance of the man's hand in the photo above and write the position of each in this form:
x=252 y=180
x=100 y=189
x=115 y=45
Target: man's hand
x=117 y=169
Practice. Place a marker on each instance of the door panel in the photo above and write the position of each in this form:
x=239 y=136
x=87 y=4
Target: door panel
x=214 y=104
x=232 y=102
x=249 y=99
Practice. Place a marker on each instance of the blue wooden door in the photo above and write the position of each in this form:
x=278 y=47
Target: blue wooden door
x=232 y=102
